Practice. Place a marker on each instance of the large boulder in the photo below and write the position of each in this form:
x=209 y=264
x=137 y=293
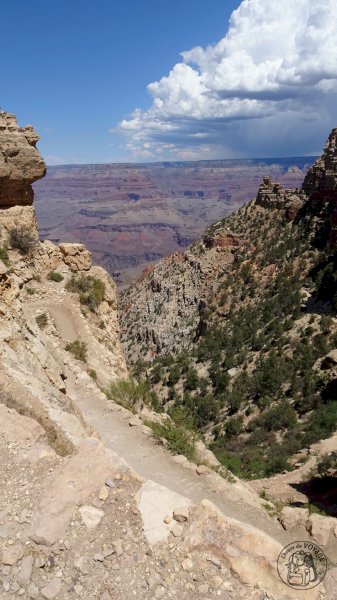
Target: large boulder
x=320 y=528
x=155 y=503
x=20 y=162
x=76 y=256
x=83 y=474
x=247 y=551
x=293 y=517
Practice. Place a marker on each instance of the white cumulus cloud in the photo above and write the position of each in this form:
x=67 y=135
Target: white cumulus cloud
x=268 y=87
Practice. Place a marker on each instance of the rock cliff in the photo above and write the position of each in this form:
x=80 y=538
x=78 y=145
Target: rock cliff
x=168 y=300
x=20 y=162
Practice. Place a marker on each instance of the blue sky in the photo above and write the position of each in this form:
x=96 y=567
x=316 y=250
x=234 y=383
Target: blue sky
x=104 y=80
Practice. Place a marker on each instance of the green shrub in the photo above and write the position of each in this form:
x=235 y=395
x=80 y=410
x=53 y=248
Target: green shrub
x=30 y=291
x=4 y=256
x=130 y=394
x=233 y=427
x=179 y=440
x=281 y=416
x=42 y=320
x=22 y=239
x=91 y=290
x=92 y=374
x=327 y=463
x=55 y=276
x=78 y=349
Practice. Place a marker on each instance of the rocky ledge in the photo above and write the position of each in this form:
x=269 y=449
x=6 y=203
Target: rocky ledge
x=20 y=162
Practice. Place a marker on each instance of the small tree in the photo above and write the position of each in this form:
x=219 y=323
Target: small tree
x=22 y=239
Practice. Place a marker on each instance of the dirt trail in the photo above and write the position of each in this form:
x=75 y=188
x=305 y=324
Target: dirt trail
x=151 y=461
x=148 y=459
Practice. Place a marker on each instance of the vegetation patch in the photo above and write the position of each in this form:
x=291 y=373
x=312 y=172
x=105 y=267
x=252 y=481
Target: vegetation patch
x=78 y=349
x=179 y=440
x=4 y=256
x=91 y=290
x=92 y=373
x=131 y=394
x=22 y=239
x=42 y=320
x=55 y=276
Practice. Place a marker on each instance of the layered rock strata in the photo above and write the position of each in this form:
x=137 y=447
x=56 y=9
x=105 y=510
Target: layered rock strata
x=20 y=162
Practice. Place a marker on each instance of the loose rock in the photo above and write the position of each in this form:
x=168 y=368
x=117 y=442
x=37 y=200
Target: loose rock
x=12 y=554
x=91 y=516
x=52 y=589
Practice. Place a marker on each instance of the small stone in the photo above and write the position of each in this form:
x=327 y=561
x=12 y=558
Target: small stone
x=99 y=557
x=81 y=564
x=15 y=586
x=118 y=546
x=6 y=585
x=111 y=484
x=187 y=564
x=25 y=570
x=103 y=493
x=78 y=589
x=91 y=516
x=227 y=586
x=167 y=520
x=202 y=470
x=159 y=592
x=203 y=588
x=12 y=554
x=105 y=596
x=40 y=562
x=181 y=514
x=32 y=590
x=118 y=477
x=23 y=517
x=108 y=550
x=177 y=530
x=134 y=422
x=52 y=588
x=215 y=561
x=5 y=532
x=216 y=582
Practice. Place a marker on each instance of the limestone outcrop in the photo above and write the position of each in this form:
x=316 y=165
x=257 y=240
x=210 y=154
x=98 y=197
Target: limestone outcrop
x=20 y=162
x=76 y=256
x=321 y=180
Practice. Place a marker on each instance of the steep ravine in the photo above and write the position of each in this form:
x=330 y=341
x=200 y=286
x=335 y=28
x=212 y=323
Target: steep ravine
x=90 y=505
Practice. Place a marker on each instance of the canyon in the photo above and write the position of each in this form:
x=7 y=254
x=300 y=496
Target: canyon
x=93 y=503
x=131 y=216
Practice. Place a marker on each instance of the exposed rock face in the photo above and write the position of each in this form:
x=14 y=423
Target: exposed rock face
x=20 y=162
x=246 y=550
x=270 y=195
x=167 y=301
x=320 y=185
x=76 y=256
x=129 y=216
x=321 y=180
x=273 y=195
